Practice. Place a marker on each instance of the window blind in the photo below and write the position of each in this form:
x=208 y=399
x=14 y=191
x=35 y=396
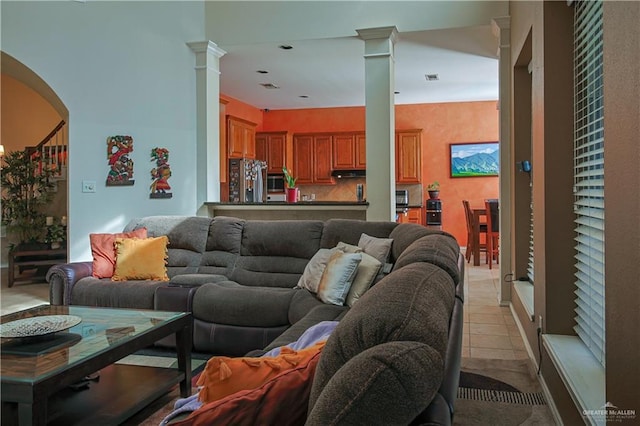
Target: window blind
x=530 y=263
x=589 y=176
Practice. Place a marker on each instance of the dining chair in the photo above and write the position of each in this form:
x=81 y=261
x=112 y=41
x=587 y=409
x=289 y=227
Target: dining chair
x=482 y=229
x=493 y=230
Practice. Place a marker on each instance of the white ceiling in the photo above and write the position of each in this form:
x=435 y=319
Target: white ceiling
x=454 y=40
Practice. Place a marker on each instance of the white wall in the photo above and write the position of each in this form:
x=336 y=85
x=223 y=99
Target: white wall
x=119 y=68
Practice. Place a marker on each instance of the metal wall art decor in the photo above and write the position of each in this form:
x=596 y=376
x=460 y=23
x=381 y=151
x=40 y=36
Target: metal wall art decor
x=121 y=166
x=160 y=174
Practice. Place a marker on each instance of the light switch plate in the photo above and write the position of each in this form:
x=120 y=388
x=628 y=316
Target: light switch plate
x=88 y=186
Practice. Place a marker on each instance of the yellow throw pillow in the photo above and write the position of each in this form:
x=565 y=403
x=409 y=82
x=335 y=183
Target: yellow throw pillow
x=141 y=259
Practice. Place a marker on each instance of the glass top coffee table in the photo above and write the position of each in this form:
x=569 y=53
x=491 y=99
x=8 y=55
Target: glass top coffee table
x=36 y=372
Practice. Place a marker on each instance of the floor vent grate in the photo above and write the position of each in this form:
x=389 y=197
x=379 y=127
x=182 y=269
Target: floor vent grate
x=502 y=396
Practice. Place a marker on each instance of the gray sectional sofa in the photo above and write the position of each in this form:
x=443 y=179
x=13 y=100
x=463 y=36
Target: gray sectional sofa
x=237 y=277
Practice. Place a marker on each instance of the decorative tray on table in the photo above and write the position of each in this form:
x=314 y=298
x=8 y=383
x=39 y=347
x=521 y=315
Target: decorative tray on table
x=38 y=326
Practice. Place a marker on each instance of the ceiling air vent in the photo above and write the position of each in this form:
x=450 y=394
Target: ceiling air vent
x=432 y=77
x=269 y=86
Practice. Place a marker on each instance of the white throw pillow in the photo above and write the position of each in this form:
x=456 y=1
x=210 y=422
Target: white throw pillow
x=313 y=271
x=337 y=277
x=348 y=248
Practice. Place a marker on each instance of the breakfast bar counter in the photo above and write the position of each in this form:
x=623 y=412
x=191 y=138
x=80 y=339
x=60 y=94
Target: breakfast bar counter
x=302 y=210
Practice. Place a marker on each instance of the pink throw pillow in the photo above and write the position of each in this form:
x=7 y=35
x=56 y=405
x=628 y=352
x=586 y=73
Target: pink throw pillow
x=104 y=252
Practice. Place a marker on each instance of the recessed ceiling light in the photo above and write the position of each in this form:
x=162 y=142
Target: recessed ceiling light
x=303 y=96
x=262 y=72
x=269 y=86
x=432 y=77
x=285 y=47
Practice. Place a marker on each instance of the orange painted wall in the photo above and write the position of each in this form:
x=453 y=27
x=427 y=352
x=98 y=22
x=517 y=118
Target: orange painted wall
x=442 y=124
x=242 y=110
x=315 y=120
x=26 y=116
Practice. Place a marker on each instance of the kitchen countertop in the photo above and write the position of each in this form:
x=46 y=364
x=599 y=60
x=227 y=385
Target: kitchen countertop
x=302 y=210
x=299 y=203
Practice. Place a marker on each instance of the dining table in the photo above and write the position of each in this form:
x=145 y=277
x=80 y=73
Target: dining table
x=475 y=228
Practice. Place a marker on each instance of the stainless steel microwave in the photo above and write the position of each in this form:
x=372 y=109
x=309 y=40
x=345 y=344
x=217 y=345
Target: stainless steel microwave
x=275 y=183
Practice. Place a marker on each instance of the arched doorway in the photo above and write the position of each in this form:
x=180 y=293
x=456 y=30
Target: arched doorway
x=31 y=111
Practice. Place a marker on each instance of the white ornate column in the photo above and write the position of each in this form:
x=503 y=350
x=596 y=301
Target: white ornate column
x=207 y=67
x=502 y=30
x=379 y=74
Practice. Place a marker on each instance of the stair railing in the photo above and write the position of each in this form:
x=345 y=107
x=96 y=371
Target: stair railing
x=51 y=152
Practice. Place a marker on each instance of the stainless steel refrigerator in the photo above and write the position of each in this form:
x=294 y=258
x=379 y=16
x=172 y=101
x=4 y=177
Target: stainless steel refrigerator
x=247 y=181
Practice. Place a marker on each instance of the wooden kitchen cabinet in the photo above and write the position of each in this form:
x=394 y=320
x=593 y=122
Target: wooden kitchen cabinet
x=361 y=151
x=303 y=159
x=349 y=151
x=261 y=147
x=224 y=161
x=272 y=148
x=408 y=156
x=344 y=153
x=322 y=161
x=223 y=141
x=312 y=158
x=413 y=215
x=241 y=138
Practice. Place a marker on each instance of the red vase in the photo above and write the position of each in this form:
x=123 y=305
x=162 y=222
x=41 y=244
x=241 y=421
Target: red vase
x=292 y=195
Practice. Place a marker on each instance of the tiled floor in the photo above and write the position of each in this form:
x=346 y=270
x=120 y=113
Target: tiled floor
x=489 y=329
x=21 y=295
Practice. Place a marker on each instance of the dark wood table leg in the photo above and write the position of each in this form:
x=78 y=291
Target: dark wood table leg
x=33 y=414
x=10 y=276
x=184 y=340
x=476 y=239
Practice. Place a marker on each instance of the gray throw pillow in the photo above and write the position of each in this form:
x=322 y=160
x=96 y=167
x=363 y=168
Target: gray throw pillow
x=376 y=247
x=367 y=272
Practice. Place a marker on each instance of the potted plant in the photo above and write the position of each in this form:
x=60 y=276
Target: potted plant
x=56 y=235
x=291 y=190
x=26 y=190
x=434 y=190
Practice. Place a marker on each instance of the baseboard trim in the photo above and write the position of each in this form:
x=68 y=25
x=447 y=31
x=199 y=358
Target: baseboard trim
x=545 y=389
x=550 y=402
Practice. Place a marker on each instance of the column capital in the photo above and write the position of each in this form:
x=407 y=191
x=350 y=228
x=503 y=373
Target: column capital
x=500 y=24
x=390 y=33
x=501 y=29
x=206 y=47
